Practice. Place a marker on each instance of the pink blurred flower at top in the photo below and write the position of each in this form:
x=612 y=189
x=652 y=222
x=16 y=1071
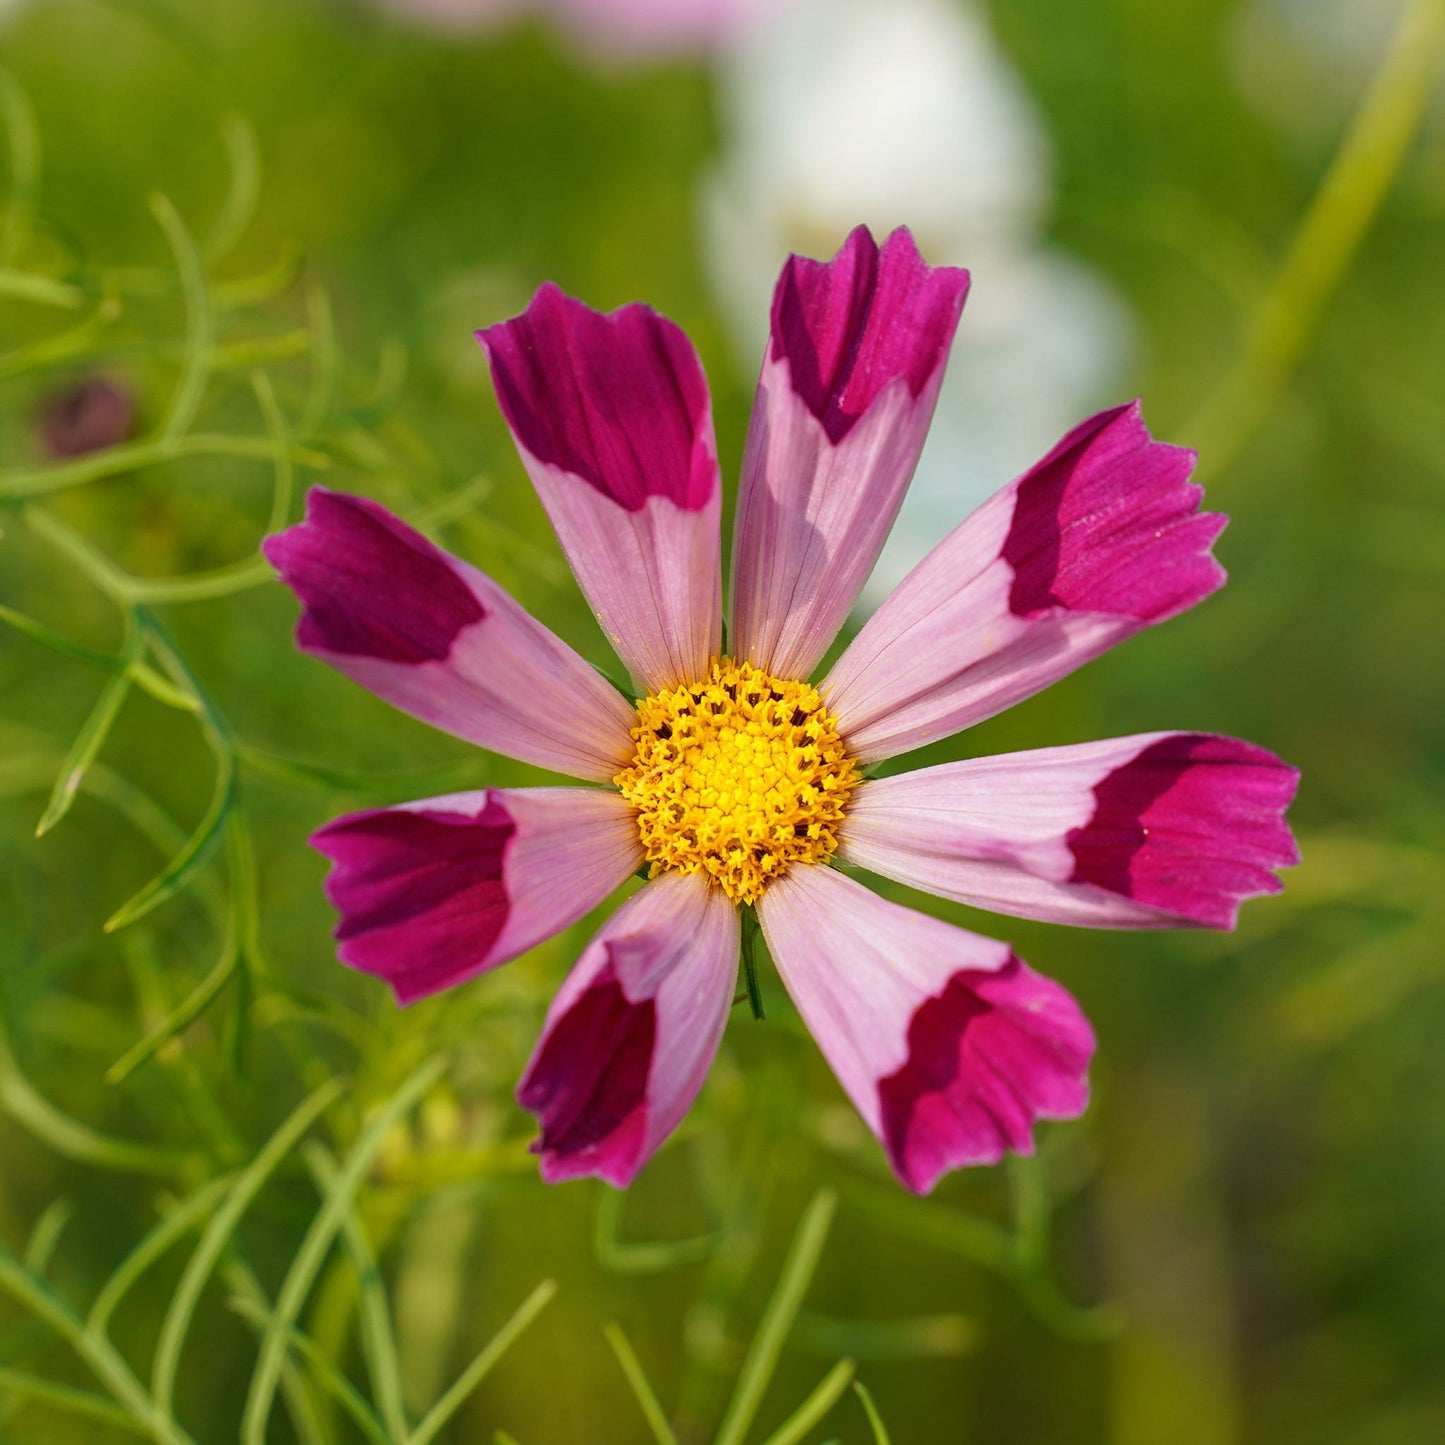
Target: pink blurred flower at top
x=619 y=26
x=732 y=778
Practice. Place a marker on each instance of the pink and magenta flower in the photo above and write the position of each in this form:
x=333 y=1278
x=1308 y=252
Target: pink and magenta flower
x=734 y=780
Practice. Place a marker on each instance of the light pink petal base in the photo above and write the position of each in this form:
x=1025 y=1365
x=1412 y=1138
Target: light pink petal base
x=441 y=641
x=633 y=1030
x=1099 y=540
x=435 y=892
x=948 y=1046
x=1151 y=831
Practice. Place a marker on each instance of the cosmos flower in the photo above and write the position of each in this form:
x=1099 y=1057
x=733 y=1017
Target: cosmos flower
x=737 y=781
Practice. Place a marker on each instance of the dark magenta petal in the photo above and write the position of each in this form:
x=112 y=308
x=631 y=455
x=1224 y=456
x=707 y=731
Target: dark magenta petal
x=372 y=587
x=619 y=400
x=1193 y=825
x=421 y=894
x=1109 y=522
x=588 y=1084
x=986 y=1057
x=849 y=326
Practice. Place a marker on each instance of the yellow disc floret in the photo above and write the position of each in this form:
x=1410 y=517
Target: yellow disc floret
x=739 y=776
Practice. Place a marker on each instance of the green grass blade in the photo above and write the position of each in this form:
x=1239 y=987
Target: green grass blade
x=651 y=1257
x=324 y=362
x=97 y=1352
x=767 y=1345
x=44 y=1238
x=327 y=1375
x=163 y=689
x=917 y=1338
x=929 y=1222
x=92 y=735
x=317 y=1240
x=642 y=1390
x=182 y=1016
x=299 y=1404
x=42 y=290
x=22 y=136
x=452 y=1401
x=68 y=1398
x=299 y=773
x=156 y=1243
x=195 y=366
x=378 y=1341
x=280 y=439
x=243 y=152
x=132 y=456
x=223 y=1224
x=71 y=1139
x=202 y=586
x=48 y=637
x=61 y=349
x=811 y=1412
x=177 y=873
x=875 y=1420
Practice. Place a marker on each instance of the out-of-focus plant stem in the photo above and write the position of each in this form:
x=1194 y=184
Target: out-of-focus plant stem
x=1354 y=187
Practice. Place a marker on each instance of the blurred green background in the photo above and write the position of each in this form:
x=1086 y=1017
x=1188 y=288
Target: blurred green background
x=273 y=227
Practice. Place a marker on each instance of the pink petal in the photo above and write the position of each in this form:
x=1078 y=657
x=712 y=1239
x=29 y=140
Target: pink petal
x=441 y=641
x=633 y=1030
x=612 y=419
x=434 y=893
x=847 y=391
x=1152 y=831
x=1101 y=539
x=947 y=1044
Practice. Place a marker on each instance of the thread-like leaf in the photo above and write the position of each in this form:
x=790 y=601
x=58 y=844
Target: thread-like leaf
x=22 y=136
x=641 y=1386
x=437 y=1417
x=327 y=1375
x=92 y=735
x=20 y=1385
x=70 y=1138
x=378 y=1341
x=45 y=1236
x=243 y=190
x=197 y=849
x=190 y=387
x=793 y=1281
x=314 y=1245
x=97 y=1352
x=132 y=456
x=628 y=1257
x=875 y=1420
x=824 y=1396
x=223 y=1224
x=172 y=1227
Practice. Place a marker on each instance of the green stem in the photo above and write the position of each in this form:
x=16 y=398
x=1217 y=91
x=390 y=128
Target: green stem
x=1353 y=189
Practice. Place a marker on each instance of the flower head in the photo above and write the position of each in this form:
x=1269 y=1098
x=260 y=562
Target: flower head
x=735 y=778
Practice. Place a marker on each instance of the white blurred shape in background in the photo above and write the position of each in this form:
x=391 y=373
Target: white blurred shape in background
x=905 y=112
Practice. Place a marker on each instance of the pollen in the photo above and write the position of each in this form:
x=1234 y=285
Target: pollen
x=739 y=776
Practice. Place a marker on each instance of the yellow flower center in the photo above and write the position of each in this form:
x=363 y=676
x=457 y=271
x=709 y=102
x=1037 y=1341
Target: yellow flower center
x=738 y=776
